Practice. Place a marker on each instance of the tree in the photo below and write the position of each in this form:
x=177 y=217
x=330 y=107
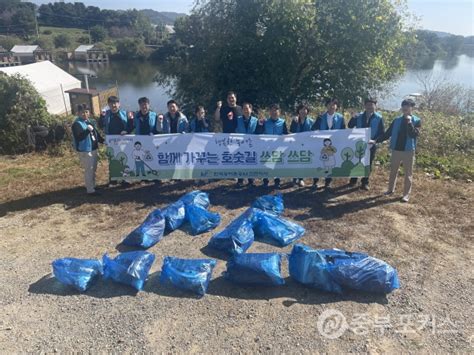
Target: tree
x=347 y=154
x=21 y=105
x=285 y=51
x=361 y=147
x=98 y=34
x=62 y=40
x=130 y=48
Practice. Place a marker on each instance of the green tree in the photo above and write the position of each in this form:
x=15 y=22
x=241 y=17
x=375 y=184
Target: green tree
x=98 y=34
x=285 y=51
x=21 y=106
x=62 y=40
x=361 y=147
x=347 y=154
x=130 y=48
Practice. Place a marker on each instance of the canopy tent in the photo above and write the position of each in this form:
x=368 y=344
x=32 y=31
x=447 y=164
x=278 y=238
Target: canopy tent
x=50 y=81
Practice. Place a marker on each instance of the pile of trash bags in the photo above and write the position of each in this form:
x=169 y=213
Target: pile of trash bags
x=330 y=270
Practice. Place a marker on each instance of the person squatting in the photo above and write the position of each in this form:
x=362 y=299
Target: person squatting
x=402 y=133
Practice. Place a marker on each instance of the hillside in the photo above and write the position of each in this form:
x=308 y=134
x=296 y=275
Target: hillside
x=161 y=18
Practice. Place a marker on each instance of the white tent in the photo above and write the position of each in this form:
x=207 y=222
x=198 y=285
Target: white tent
x=50 y=81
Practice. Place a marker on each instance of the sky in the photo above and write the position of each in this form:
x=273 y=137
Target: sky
x=453 y=16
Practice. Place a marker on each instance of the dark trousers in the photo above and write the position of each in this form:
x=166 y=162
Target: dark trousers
x=365 y=180
x=327 y=181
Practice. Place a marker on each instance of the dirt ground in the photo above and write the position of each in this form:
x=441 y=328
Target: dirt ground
x=428 y=240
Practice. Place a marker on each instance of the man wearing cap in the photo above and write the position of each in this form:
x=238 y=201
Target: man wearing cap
x=403 y=133
x=116 y=120
x=228 y=114
x=368 y=119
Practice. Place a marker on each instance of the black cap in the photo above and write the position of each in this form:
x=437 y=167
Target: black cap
x=370 y=99
x=408 y=102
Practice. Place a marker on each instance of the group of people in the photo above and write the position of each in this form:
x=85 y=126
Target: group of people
x=403 y=131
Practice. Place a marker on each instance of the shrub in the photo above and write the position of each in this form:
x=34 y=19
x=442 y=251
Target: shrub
x=21 y=106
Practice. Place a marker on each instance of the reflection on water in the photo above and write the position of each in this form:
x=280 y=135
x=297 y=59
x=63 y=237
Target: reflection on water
x=135 y=79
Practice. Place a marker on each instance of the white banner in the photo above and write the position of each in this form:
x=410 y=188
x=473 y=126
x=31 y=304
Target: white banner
x=337 y=153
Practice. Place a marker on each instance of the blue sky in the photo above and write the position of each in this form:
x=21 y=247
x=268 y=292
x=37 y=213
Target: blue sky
x=453 y=16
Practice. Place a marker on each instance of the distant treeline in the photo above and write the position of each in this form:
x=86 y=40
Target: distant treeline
x=428 y=46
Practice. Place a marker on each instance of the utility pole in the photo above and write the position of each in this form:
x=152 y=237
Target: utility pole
x=36 y=25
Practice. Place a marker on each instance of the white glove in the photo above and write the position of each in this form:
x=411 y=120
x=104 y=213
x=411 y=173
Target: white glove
x=123 y=133
x=90 y=128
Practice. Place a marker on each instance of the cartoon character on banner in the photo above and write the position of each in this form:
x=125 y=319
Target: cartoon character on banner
x=328 y=156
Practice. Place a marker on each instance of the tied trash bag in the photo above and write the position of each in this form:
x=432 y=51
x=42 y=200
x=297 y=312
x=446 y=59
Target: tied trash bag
x=270 y=203
x=367 y=274
x=148 y=233
x=174 y=214
x=310 y=267
x=196 y=197
x=276 y=230
x=201 y=220
x=236 y=238
x=130 y=268
x=187 y=274
x=255 y=269
x=78 y=273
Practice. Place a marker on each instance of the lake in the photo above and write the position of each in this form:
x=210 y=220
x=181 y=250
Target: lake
x=135 y=79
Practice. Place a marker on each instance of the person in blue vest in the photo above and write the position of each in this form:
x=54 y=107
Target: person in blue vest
x=403 y=133
x=274 y=125
x=200 y=123
x=246 y=124
x=86 y=141
x=173 y=121
x=301 y=123
x=115 y=120
x=328 y=121
x=145 y=119
x=368 y=119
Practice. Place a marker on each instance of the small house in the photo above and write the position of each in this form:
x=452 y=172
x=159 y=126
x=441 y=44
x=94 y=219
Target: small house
x=31 y=54
x=7 y=59
x=89 y=53
x=93 y=98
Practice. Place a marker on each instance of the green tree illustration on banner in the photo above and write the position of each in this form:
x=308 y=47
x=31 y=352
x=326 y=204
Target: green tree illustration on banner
x=361 y=147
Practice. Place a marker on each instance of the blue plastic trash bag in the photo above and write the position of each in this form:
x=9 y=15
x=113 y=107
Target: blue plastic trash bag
x=130 y=268
x=276 y=230
x=368 y=274
x=148 y=233
x=201 y=220
x=174 y=214
x=270 y=203
x=196 y=197
x=236 y=238
x=255 y=269
x=78 y=273
x=187 y=274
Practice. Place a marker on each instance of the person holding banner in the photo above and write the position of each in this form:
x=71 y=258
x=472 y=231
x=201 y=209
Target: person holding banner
x=274 y=125
x=200 y=123
x=173 y=121
x=301 y=123
x=368 y=119
x=145 y=119
x=328 y=121
x=403 y=133
x=228 y=114
x=86 y=140
x=246 y=124
x=115 y=120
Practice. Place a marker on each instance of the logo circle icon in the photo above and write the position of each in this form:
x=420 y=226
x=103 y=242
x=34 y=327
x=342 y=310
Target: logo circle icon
x=332 y=324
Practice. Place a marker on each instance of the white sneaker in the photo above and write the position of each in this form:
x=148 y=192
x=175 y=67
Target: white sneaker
x=301 y=183
x=405 y=198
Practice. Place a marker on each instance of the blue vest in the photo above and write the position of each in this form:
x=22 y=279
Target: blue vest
x=241 y=125
x=192 y=125
x=374 y=123
x=182 y=123
x=274 y=127
x=410 y=145
x=307 y=124
x=108 y=114
x=151 y=121
x=337 y=122
x=84 y=145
